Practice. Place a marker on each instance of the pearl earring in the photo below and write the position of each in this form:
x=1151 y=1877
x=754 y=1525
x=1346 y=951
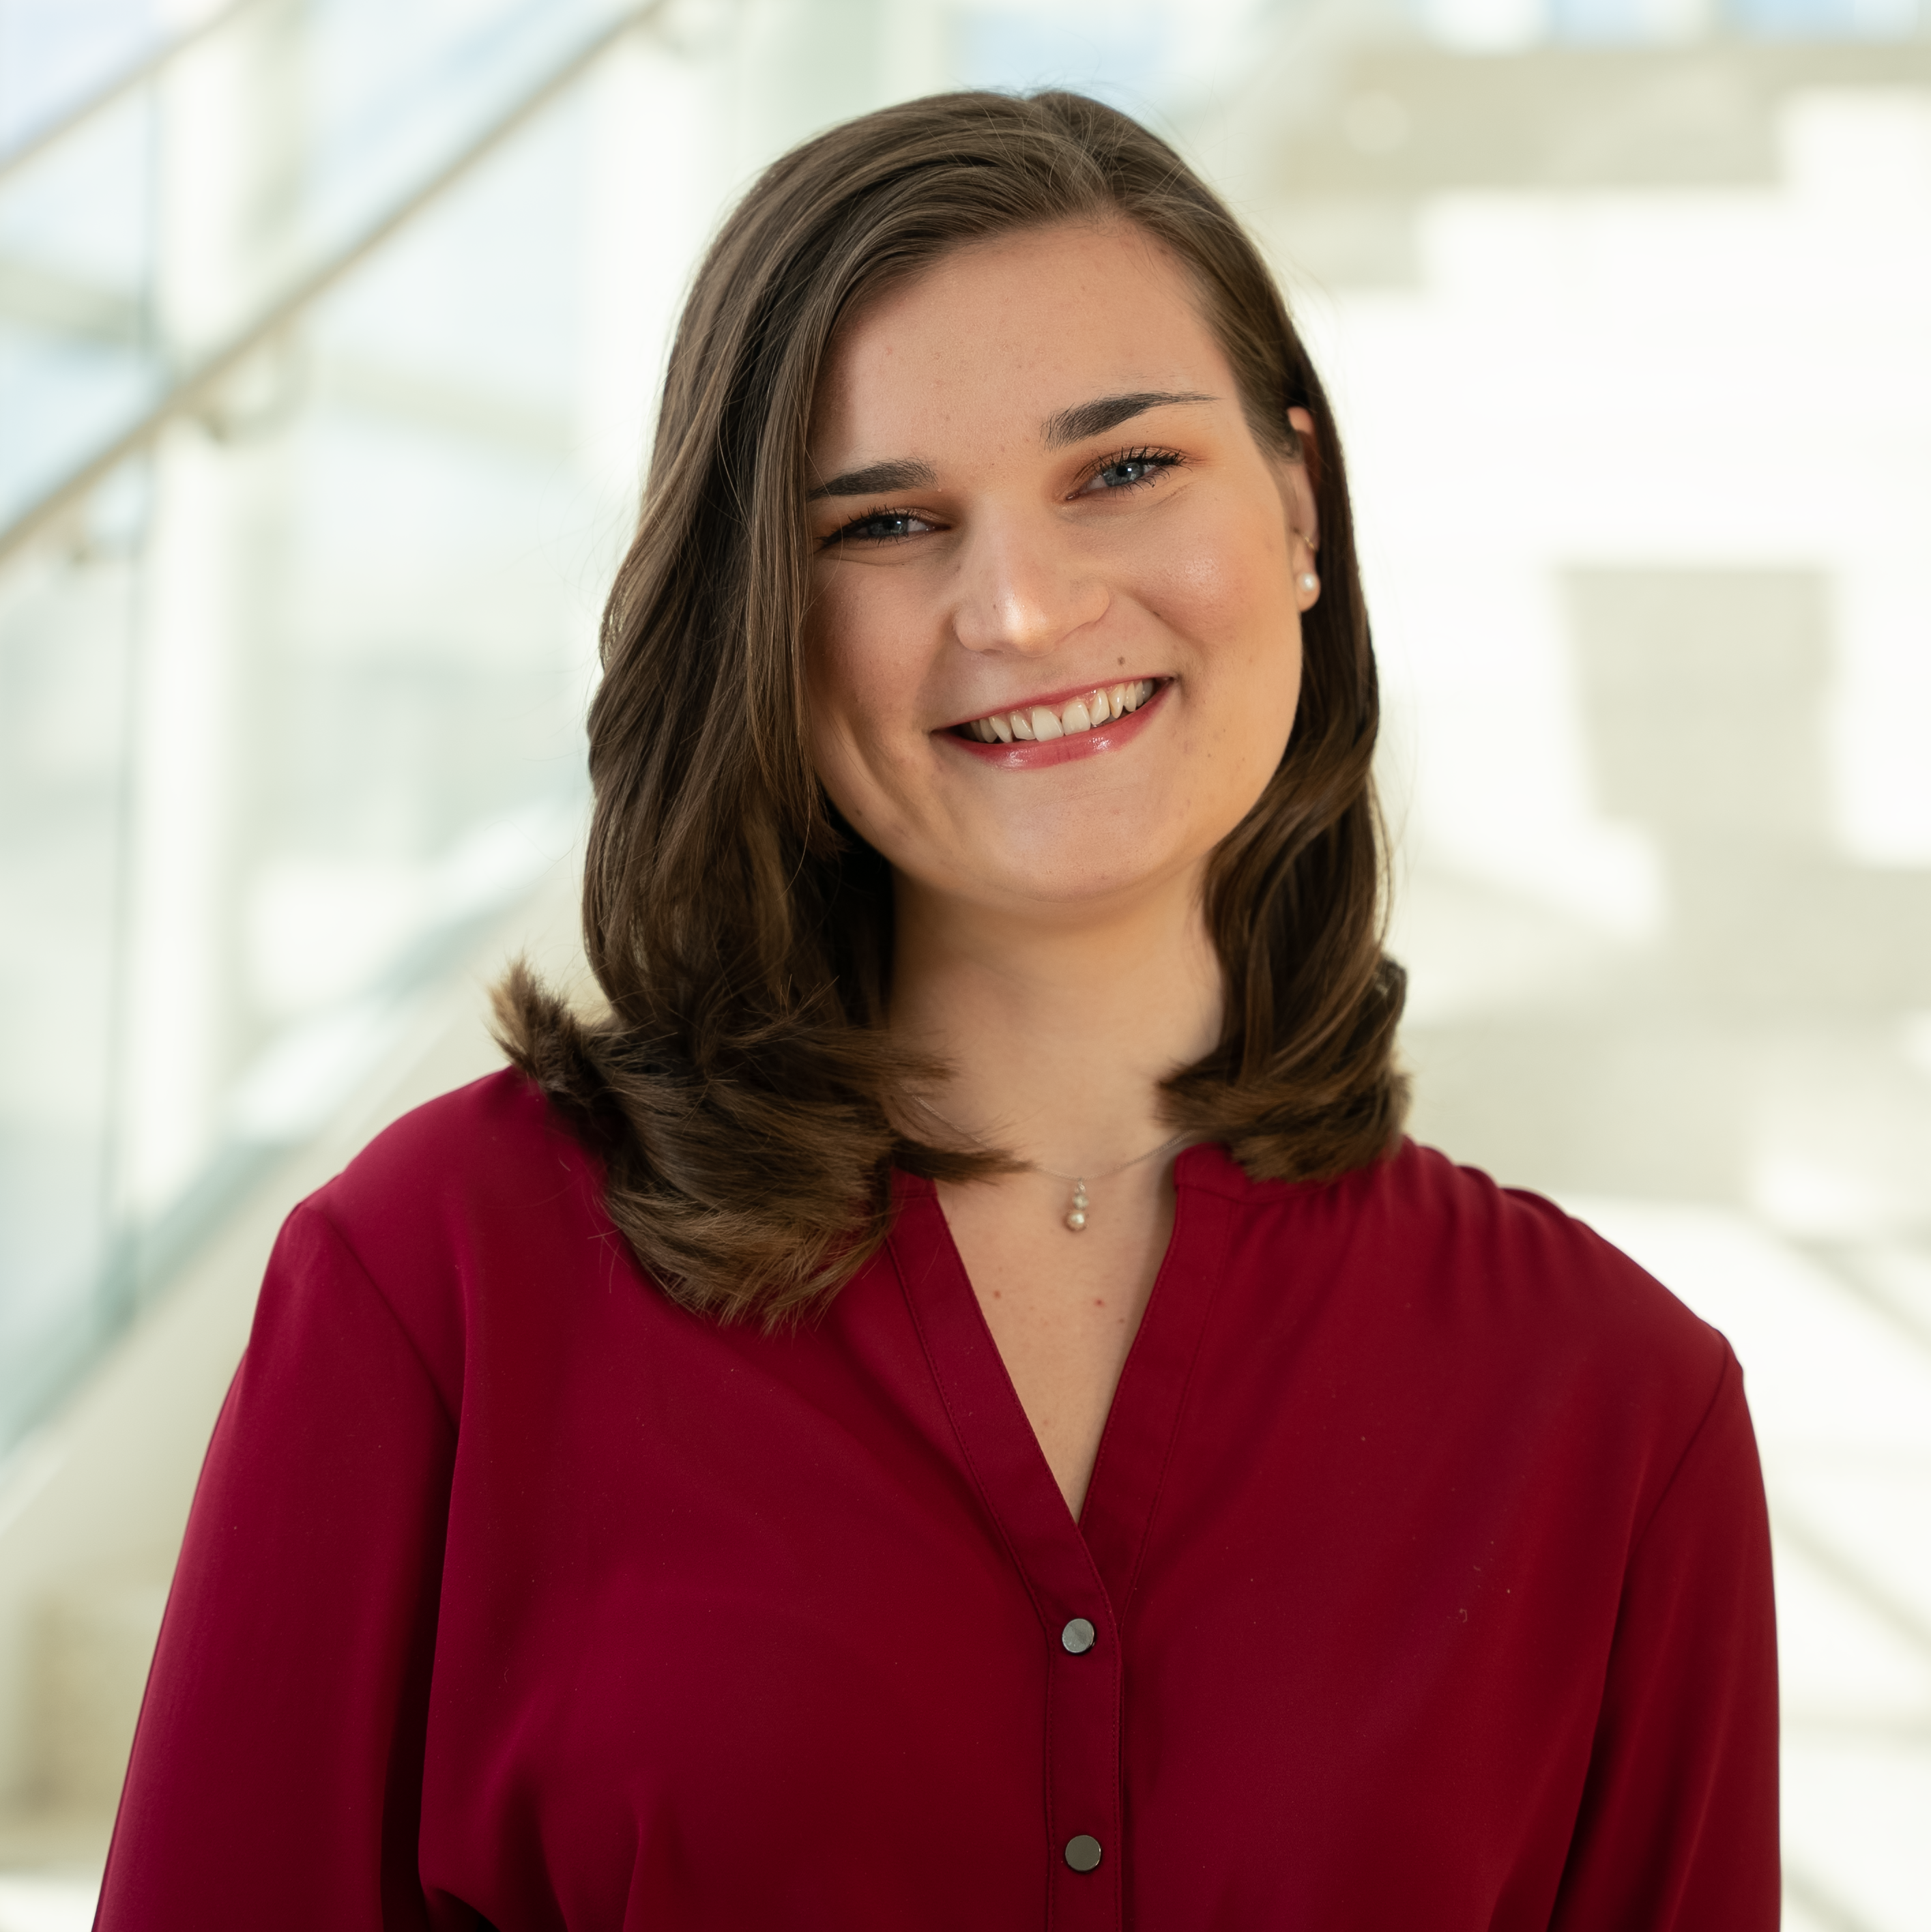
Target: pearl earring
x=1309 y=582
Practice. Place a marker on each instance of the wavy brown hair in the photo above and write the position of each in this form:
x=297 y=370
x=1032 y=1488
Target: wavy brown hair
x=742 y=1091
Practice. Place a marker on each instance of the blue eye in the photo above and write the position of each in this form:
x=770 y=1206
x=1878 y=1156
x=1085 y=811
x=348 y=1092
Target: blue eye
x=1133 y=470
x=880 y=527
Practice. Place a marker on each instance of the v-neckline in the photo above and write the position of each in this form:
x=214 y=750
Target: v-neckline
x=1063 y=1560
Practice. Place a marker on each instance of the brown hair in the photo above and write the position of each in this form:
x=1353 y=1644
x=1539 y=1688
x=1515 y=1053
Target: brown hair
x=741 y=1089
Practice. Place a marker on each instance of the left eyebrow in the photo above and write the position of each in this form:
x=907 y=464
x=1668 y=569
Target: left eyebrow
x=1106 y=413
x=877 y=479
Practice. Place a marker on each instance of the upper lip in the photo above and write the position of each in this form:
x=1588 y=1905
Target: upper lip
x=1052 y=701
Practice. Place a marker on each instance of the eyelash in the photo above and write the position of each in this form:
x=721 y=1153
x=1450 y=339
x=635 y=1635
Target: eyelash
x=1161 y=460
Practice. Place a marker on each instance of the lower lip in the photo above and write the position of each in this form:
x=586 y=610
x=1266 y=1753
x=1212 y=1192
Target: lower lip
x=1113 y=736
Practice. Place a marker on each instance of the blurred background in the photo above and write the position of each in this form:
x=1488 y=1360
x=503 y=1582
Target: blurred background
x=329 y=335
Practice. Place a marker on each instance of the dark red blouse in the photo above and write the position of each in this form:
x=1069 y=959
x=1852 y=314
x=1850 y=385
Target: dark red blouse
x=1424 y=1560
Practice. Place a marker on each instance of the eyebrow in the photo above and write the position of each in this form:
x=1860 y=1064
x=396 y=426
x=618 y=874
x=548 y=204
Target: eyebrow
x=877 y=479
x=1104 y=412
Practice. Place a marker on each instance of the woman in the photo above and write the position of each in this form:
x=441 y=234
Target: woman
x=952 y=1404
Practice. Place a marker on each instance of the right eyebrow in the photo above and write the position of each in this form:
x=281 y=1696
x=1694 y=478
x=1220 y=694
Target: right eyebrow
x=876 y=479
x=1106 y=413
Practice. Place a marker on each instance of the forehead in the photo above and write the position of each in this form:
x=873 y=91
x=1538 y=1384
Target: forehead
x=1006 y=333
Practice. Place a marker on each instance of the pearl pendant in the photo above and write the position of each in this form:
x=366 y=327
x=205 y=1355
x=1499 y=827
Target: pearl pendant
x=1076 y=1215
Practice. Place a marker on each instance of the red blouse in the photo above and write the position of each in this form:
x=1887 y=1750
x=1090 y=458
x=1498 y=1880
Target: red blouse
x=1423 y=1581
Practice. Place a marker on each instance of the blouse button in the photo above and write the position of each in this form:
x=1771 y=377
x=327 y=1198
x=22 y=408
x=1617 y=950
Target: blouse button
x=1078 y=1638
x=1082 y=1852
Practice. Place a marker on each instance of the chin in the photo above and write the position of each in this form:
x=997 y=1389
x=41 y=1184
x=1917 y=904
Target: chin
x=1067 y=878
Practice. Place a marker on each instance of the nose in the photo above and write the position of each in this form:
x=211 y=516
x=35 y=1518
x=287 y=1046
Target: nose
x=1022 y=588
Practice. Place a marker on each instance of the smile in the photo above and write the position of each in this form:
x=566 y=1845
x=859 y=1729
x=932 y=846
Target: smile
x=1040 y=724
x=1070 y=728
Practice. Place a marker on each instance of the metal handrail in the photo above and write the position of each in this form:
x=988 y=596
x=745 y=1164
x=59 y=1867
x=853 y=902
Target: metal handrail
x=149 y=67
x=194 y=389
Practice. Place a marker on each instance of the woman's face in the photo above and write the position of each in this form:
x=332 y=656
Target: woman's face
x=1034 y=482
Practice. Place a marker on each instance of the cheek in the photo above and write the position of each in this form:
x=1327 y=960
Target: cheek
x=844 y=678
x=859 y=691
x=833 y=706
x=1225 y=588
x=1224 y=583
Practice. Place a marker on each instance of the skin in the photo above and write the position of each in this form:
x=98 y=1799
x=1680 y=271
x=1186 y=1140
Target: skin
x=1051 y=946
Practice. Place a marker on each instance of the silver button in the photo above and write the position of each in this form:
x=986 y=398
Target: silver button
x=1082 y=1852
x=1078 y=1637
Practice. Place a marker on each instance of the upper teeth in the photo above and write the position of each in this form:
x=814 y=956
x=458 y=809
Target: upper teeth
x=1077 y=714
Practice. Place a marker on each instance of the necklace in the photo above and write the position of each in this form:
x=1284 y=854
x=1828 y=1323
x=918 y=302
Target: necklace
x=1076 y=1209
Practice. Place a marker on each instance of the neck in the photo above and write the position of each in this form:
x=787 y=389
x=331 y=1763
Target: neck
x=1058 y=1030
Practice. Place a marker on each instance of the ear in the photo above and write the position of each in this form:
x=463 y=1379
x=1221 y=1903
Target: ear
x=1303 y=520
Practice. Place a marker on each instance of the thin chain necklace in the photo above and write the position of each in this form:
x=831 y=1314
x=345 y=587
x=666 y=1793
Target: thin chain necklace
x=1076 y=1208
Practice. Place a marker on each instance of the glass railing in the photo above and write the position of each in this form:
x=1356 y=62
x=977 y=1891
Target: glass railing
x=304 y=512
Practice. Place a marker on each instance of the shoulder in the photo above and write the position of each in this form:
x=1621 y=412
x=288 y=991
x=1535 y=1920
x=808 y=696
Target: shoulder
x=1443 y=1277
x=1511 y=1257
x=492 y=1149
x=470 y=1194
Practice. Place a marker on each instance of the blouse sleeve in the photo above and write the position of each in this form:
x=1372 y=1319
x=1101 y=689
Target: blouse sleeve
x=1677 y=1831
x=277 y=1773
